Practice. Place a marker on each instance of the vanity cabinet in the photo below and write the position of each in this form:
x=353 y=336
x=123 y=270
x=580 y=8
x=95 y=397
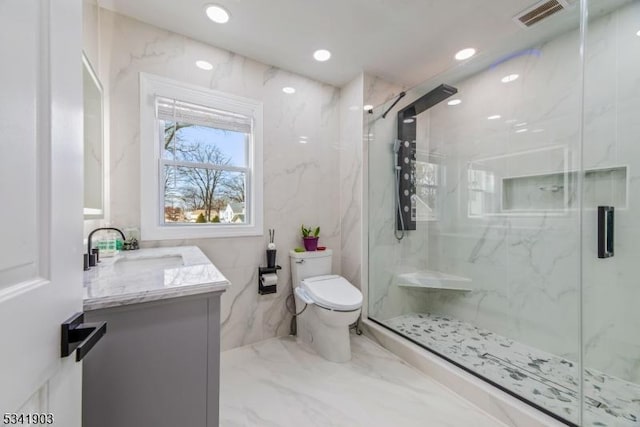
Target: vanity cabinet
x=158 y=365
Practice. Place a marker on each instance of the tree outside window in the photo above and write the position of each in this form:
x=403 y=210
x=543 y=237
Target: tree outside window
x=203 y=174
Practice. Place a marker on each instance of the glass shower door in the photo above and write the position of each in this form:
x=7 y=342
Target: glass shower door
x=519 y=260
x=611 y=216
x=487 y=271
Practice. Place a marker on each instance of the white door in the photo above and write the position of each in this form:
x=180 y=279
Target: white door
x=41 y=205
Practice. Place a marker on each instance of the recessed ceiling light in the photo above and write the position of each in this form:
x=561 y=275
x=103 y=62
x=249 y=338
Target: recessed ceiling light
x=465 y=54
x=521 y=130
x=638 y=33
x=510 y=121
x=288 y=90
x=217 y=14
x=368 y=107
x=510 y=78
x=494 y=117
x=322 y=55
x=521 y=124
x=303 y=141
x=204 y=65
x=454 y=102
x=409 y=120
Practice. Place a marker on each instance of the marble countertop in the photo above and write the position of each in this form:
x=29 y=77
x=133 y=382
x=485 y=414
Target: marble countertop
x=150 y=275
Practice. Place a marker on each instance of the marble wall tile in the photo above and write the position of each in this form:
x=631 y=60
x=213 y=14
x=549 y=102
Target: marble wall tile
x=300 y=180
x=351 y=113
x=378 y=91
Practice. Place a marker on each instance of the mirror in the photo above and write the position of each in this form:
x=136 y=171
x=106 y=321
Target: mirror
x=93 y=143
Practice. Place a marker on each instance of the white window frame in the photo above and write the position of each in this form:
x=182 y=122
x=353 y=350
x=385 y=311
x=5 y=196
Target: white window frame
x=151 y=209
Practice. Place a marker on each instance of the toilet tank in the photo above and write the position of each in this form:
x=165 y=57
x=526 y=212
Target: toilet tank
x=309 y=264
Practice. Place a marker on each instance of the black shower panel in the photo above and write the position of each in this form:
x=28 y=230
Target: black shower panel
x=407 y=129
x=407 y=164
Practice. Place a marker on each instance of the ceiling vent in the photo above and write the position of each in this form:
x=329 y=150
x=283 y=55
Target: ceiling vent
x=540 y=11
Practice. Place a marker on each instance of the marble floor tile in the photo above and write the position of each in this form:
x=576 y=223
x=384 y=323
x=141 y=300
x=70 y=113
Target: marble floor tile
x=280 y=383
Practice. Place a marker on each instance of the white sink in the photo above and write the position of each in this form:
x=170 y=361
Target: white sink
x=131 y=264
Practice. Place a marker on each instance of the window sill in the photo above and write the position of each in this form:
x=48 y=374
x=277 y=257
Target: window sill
x=176 y=232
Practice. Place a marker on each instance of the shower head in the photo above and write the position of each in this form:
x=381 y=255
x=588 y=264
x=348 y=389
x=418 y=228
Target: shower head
x=396 y=146
x=427 y=101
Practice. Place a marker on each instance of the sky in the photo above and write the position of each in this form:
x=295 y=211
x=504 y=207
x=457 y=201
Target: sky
x=232 y=144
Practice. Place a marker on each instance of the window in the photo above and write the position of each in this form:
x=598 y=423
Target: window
x=481 y=189
x=204 y=163
x=201 y=162
x=428 y=173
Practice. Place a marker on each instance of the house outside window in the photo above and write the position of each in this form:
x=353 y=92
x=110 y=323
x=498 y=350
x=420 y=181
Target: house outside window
x=234 y=213
x=201 y=162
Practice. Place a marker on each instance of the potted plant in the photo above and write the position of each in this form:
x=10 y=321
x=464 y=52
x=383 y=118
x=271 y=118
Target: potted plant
x=310 y=237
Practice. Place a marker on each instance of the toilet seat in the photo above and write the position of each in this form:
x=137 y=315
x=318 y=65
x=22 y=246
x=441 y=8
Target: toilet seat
x=332 y=292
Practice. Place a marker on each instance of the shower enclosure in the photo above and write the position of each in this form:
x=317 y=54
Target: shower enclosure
x=503 y=219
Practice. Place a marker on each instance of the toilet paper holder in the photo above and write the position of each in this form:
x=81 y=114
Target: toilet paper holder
x=269 y=289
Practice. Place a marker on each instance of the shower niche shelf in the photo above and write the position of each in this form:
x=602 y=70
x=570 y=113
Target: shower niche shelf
x=553 y=191
x=429 y=279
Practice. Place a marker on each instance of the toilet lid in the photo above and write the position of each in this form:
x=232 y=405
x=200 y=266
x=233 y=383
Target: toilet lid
x=333 y=292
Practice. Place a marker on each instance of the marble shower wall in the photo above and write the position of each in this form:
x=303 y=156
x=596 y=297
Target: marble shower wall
x=354 y=127
x=301 y=181
x=364 y=89
x=351 y=102
x=524 y=266
x=377 y=92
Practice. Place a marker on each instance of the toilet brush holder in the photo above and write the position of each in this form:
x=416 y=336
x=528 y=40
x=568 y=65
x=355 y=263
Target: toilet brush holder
x=271 y=258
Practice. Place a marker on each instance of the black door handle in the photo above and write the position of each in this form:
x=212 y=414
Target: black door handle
x=80 y=337
x=605 y=231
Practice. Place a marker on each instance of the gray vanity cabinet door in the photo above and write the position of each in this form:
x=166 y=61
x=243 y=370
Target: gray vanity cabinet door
x=213 y=363
x=151 y=368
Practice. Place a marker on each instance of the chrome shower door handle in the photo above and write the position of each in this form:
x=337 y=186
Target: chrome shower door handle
x=605 y=231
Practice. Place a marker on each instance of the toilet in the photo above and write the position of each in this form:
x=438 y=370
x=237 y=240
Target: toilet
x=332 y=304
